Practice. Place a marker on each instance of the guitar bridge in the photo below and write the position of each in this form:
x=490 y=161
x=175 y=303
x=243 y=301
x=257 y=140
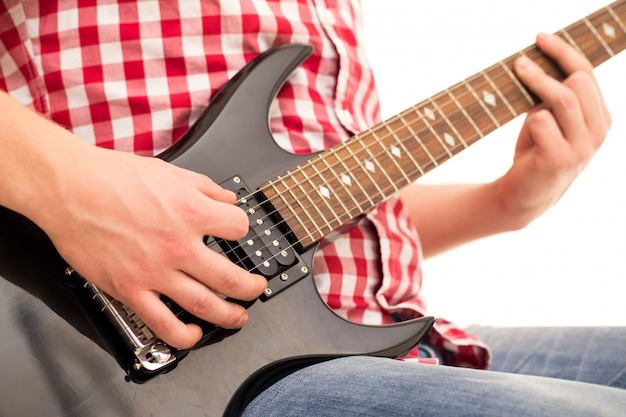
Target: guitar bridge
x=151 y=355
x=265 y=250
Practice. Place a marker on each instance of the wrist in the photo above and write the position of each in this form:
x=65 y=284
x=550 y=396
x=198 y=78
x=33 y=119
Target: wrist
x=36 y=160
x=515 y=211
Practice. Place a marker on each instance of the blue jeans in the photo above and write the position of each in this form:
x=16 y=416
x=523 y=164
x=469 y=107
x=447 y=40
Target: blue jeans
x=535 y=372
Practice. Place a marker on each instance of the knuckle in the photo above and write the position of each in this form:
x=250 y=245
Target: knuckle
x=160 y=327
x=176 y=251
x=228 y=284
x=202 y=305
x=567 y=99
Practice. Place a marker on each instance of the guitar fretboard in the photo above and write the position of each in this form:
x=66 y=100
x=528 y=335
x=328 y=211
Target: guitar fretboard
x=337 y=185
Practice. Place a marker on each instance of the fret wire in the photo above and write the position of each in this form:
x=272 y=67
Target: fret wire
x=376 y=158
x=604 y=24
x=358 y=183
x=308 y=197
x=358 y=164
x=432 y=130
x=393 y=160
x=454 y=99
x=513 y=78
x=422 y=145
x=344 y=185
x=499 y=93
x=449 y=123
x=364 y=166
x=464 y=112
x=391 y=157
x=480 y=101
x=401 y=144
x=595 y=52
x=593 y=30
x=322 y=197
x=417 y=138
x=295 y=215
x=617 y=19
x=383 y=193
x=571 y=41
x=519 y=85
x=319 y=174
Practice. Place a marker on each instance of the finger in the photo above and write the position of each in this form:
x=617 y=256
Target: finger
x=205 y=185
x=206 y=304
x=569 y=60
x=162 y=321
x=546 y=135
x=596 y=115
x=222 y=220
x=556 y=96
x=222 y=276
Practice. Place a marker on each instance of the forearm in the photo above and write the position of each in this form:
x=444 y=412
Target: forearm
x=35 y=151
x=447 y=216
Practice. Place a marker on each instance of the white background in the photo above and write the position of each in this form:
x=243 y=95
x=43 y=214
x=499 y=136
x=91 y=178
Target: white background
x=568 y=267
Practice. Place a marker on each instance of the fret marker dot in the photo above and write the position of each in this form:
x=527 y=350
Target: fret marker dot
x=346 y=179
x=429 y=113
x=395 y=151
x=449 y=139
x=324 y=191
x=608 y=30
x=370 y=166
x=489 y=98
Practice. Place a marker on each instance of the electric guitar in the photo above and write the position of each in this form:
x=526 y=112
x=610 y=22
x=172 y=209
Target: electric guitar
x=68 y=349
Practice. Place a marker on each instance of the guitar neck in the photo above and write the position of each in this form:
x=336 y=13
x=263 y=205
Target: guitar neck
x=337 y=185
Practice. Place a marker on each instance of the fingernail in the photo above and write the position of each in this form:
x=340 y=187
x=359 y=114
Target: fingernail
x=241 y=322
x=524 y=63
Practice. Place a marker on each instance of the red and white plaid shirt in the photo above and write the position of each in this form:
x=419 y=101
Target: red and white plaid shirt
x=134 y=75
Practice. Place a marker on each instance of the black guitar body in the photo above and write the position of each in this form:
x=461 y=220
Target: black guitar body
x=57 y=357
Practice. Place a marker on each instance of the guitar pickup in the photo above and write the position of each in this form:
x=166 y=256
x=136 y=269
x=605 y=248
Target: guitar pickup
x=266 y=249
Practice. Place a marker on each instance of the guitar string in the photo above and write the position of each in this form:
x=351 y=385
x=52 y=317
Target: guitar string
x=275 y=226
x=369 y=132
x=479 y=80
x=380 y=139
x=340 y=164
x=443 y=156
x=391 y=135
